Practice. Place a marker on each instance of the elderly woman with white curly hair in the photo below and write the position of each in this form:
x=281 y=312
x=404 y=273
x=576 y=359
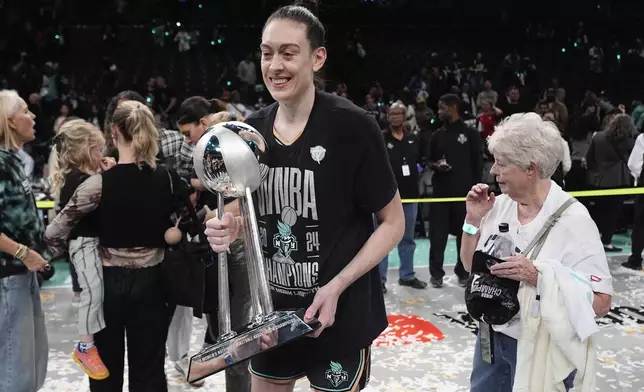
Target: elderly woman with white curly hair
x=527 y=150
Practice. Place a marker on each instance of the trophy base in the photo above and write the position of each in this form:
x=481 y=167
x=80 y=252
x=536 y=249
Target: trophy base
x=279 y=328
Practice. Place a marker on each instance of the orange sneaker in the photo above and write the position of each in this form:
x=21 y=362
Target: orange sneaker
x=91 y=363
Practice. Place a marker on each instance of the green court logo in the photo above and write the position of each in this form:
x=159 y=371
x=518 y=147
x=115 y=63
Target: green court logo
x=336 y=375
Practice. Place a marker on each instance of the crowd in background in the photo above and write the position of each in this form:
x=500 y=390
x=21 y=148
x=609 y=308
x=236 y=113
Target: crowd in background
x=573 y=74
x=438 y=109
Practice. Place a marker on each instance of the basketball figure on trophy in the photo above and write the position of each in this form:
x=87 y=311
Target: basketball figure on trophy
x=284 y=240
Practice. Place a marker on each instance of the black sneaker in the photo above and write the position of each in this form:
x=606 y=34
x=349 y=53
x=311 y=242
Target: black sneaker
x=437 y=283
x=462 y=280
x=413 y=283
x=611 y=248
x=635 y=267
x=384 y=288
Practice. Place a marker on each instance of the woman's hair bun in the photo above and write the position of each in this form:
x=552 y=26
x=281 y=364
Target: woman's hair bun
x=311 y=5
x=217 y=105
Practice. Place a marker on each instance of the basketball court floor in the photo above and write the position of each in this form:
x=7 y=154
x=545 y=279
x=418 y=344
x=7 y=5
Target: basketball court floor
x=428 y=346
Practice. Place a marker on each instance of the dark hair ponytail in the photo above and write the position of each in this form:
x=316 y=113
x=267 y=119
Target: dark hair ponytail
x=303 y=11
x=195 y=108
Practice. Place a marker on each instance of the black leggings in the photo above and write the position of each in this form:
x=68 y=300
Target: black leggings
x=135 y=305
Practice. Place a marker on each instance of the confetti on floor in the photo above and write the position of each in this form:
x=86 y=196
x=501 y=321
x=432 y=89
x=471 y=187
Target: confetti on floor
x=428 y=346
x=404 y=329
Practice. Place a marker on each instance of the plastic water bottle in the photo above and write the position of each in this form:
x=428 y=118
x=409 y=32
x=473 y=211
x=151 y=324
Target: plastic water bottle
x=503 y=245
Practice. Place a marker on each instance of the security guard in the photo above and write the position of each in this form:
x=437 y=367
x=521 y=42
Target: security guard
x=405 y=155
x=456 y=155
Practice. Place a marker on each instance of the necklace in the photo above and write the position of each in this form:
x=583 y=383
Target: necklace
x=284 y=140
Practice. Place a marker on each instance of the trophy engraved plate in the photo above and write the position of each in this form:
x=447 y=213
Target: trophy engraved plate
x=283 y=327
x=226 y=160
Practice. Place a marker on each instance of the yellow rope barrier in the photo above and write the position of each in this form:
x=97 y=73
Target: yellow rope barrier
x=49 y=204
x=593 y=193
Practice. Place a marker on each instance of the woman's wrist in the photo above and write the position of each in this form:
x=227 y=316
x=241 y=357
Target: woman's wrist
x=533 y=279
x=21 y=253
x=470 y=220
x=9 y=246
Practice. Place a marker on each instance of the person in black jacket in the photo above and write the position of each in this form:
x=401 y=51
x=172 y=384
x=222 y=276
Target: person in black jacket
x=607 y=161
x=456 y=156
x=405 y=155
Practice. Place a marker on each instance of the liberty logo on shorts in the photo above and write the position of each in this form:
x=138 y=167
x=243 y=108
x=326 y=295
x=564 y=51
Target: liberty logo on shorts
x=336 y=375
x=284 y=240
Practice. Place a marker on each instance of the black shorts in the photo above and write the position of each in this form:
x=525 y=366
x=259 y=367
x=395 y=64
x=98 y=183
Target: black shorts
x=348 y=372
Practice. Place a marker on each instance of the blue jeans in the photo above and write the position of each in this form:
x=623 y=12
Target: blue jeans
x=499 y=377
x=23 y=338
x=406 y=247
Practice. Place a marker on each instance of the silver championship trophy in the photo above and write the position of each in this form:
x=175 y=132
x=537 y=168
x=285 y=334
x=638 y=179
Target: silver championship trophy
x=226 y=161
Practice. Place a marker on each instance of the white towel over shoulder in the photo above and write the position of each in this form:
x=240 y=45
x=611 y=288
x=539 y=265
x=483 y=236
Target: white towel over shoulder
x=556 y=332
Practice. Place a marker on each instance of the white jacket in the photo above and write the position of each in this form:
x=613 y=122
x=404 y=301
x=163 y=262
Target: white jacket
x=549 y=347
x=636 y=159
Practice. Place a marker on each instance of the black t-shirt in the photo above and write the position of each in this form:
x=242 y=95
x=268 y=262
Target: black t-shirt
x=462 y=148
x=512 y=108
x=135 y=206
x=162 y=98
x=315 y=213
x=404 y=156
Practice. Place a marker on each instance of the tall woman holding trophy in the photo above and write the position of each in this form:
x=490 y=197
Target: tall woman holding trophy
x=328 y=173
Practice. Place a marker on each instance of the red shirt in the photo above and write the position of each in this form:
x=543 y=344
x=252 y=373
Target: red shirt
x=488 y=122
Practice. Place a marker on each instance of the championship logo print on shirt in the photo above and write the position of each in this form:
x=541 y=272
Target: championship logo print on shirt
x=284 y=240
x=289 y=230
x=462 y=138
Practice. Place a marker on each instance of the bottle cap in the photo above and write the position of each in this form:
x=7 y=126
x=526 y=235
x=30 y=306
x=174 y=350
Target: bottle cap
x=504 y=227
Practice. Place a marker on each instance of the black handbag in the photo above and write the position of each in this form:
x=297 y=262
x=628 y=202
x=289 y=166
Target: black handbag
x=492 y=299
x=187 y=266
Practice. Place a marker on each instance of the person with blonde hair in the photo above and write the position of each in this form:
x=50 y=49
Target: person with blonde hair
x=24 y=345
x=133 y=202
x=174 y=150
x=75 y=156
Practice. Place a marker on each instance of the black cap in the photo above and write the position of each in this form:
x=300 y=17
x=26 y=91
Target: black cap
x=504 y=227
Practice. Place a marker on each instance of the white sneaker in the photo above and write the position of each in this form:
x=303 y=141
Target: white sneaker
x=182 y=367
